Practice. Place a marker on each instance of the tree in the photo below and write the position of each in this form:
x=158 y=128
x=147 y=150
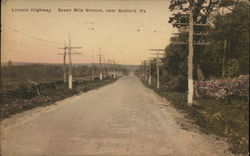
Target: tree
x=175 y=62
x=201 y=11
x=228 y=54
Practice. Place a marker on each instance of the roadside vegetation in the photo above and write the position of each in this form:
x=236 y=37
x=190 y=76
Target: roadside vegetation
x=223 y=117
x=28 y=86
x=221 y=70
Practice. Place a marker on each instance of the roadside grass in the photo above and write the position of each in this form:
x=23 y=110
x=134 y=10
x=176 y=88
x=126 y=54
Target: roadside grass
x=25 y=98
x=226 y=118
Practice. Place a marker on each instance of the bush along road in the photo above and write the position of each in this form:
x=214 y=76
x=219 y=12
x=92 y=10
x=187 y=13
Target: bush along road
x=28 y=97
x=220 y=114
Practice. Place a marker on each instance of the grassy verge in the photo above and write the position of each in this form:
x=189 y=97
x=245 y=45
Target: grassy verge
x=25 y=98
x=227 y=118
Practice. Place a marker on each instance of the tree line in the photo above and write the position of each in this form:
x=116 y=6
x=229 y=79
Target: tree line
x=226 y=55
x=227 y=34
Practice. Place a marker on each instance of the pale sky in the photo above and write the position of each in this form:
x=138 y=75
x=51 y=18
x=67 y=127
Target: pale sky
x=125 y=37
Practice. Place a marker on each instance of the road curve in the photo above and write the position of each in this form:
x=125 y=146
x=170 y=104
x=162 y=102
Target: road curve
x=121 y=119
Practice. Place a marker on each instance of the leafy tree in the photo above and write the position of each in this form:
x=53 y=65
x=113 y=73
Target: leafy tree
x=229 y=44
x=176 y=60
x=232 y=28
x=201 y=11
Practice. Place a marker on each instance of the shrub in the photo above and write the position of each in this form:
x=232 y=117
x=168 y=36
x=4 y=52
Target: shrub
x=176 y=83
x=223 y=88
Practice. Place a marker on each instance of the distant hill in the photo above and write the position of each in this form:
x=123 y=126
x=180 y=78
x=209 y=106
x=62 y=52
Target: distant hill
x=128 y=67
x=26 y=63
x=30 y=63
x=131 y=67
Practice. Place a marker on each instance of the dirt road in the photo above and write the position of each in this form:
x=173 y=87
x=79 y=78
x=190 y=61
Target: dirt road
x=121 y=119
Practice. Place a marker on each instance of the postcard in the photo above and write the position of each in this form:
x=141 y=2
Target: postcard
x=124 y=77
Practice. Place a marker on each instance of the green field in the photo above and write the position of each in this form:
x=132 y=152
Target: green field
x=19 y=94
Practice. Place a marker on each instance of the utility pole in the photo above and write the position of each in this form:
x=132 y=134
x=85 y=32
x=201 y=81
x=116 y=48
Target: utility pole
x=157 y=66
x=108 y=66
x=100 y=62
x=64 y=62
x=69 y=53
x=148 y=70
x=70 y=62
x=191 y=44
x=70 y=65
x=114 y=72
x=149 y=75
x=118 y=69
x=190 y=57
x=224 y=59
x=158 y=70
x=142 y=66
x=104 y=69
x=145 y=69
x=93 y=70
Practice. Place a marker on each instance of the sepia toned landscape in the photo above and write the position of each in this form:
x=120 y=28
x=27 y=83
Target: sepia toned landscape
x=124 y=78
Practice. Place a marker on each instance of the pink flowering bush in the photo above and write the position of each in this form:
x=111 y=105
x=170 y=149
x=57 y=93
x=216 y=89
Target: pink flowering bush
x=223 y=88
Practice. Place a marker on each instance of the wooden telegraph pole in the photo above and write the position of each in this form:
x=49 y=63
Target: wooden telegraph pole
x=149 y=75
x=158 y=70
x=190 y=44
x=70 y=62
x=70 y=66
x=108 y=66
x=142 y=66
x=69 y=53
x=190 y=57
x=64 y=61
x=224 y=59
x=100 y=62
x=157 y=66
x=92 y=68
x=145 y=69
x=148 y=62
x=114 y=70
x=104 y=68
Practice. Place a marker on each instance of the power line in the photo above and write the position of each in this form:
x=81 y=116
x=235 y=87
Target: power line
x=32 y=36
x=13 y=50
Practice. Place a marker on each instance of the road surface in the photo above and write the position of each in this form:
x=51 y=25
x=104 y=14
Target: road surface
x=121 y=119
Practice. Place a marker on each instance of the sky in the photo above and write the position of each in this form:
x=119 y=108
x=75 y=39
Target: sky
x=126 y=37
